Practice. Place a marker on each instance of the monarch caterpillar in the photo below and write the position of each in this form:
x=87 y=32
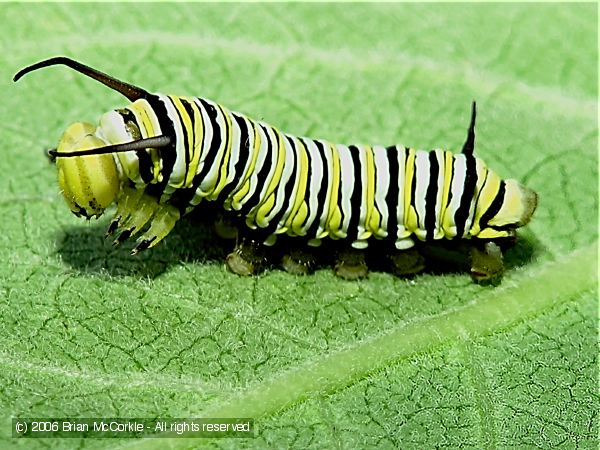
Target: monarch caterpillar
x=161 y=155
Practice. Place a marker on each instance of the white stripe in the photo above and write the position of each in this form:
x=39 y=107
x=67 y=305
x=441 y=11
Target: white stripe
x=438 y=232
x=178 y=173
x=382 y=184
x=362 y=154
x=234 y=156
x=207 y=140
x=347 y=183
x=422 y=174
x=328 y=166
x=456 y=190
x=112 y=130
x=262 y=154
x=401 y=155
x=265 y=183
x=209 y=182
x=242 y=179
x=280 y=197
x=314 y=184
x=290 y=201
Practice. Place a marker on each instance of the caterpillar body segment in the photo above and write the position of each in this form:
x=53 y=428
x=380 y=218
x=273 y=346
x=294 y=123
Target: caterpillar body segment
x=161 y=156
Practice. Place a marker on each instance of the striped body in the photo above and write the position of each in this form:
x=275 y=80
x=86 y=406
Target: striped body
x=160 y=156
x=304 y=187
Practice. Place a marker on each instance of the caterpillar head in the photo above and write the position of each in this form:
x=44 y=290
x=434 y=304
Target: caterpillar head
x=88 y=174
x=89 y=183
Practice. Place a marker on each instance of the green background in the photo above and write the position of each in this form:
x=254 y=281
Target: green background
x=86 y=330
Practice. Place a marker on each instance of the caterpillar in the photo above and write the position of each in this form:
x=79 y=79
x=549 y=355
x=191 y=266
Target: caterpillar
x=162 y=156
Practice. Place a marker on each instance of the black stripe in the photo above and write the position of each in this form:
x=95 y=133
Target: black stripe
x=431 y=195
x=128 y=116
x=494 y=207
x=185 y=141
x=449 y=182
x=462 y=212
x=289 y=196
x=215 y=143
x=357 y=193
x=182 y=197
x=322 y=193
x=189 y=109
x=243 y=158
x=487 y=173
x=168 y=155
x=391 y=198
x=507 y=227
x=413 y=185
x=308 y=180
x=226 y=144
x=144 y=160
x=255 y=198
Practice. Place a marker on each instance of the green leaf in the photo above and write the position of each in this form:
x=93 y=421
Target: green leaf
x=86 y=330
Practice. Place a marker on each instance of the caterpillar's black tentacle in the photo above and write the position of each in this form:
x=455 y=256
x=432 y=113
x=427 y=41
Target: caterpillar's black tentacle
x=141 y=144
x=469 y=145
x=128 y=90
x=50 y=155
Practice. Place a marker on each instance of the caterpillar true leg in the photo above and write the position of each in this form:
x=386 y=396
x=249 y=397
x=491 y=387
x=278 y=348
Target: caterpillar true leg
x=164 y=220
x=140 y=216
x=126 y=204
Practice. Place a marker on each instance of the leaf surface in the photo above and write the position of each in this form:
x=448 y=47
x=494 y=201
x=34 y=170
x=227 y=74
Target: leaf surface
x=86 y=330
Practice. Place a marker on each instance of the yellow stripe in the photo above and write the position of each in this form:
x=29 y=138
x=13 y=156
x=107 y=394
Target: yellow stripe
x=144 y=118
x=224 y=162
x=410 y=215
x=488 y=193
x=448 y=170
x=156 y=160
x=482 y=173
x=237 y=196
x=187 y=124
x=372 y=218
x=334 y=216
x=198 y=138
x=302 y=212
x=262 y=210
x=301 y=189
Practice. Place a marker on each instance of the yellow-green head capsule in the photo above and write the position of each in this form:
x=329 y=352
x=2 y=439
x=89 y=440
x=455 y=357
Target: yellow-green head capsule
x=89 y=183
